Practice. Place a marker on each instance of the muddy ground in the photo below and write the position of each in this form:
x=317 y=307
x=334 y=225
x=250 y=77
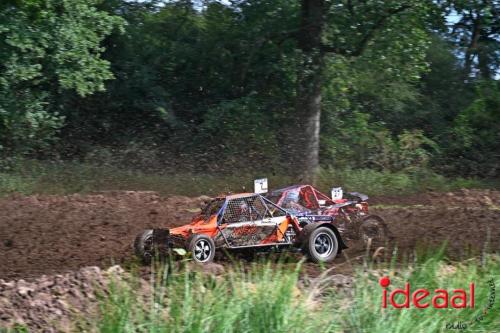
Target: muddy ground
x=58 y=303
x=48 y=245
x=58 y=234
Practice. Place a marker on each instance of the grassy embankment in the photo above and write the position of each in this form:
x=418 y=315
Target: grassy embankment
x=266 y=298
x=30 y=177
x=270 y=297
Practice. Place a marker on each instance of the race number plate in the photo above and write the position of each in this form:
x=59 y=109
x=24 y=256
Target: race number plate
x=260 y=185
x=337 y=193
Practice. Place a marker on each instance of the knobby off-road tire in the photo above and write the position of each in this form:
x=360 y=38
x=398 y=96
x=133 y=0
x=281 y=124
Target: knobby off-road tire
x=373 y=227
x=321 y=245
x=202 y=249
x=144 y=246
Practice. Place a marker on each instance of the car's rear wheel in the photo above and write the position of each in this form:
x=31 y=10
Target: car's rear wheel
x=202 y=248
x=373 y=230
x=322 y=245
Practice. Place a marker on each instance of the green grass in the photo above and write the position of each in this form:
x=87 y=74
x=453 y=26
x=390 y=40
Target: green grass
x=430 y=273
x=266 y=298
x=374 y=182
x=31 y=176
x=260 y=299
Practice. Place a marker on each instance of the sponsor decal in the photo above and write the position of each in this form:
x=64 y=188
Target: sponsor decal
x=244 y=230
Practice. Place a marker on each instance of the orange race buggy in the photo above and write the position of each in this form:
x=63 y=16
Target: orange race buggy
x=242 y=221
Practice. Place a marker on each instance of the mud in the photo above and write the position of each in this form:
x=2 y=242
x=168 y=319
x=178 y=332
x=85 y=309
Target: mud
x=58 y=303
x=468 y=220
x=57 y=234
x=47 y=244
x=467 y=231
x=462 y=198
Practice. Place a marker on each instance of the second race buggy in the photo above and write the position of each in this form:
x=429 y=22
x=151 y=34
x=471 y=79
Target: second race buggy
x=348 y=212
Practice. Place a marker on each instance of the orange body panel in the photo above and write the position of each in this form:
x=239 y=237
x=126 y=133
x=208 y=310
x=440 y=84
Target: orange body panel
x=279 y=235
x=198 y=226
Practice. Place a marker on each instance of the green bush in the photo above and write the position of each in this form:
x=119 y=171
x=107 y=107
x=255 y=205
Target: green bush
x=10 y=183
x=356 y=142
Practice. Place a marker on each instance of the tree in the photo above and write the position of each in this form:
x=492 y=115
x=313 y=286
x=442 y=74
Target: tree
x=47 y=47
x=475 y=29
x=473 y=143
x=349 y=28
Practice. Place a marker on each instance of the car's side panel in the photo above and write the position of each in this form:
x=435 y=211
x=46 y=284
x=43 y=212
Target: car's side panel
x=208 y=228
x=247 y=233
x=277 y=227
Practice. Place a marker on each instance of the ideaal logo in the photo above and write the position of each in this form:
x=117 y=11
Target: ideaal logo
x=422 y=298
x=439 y=298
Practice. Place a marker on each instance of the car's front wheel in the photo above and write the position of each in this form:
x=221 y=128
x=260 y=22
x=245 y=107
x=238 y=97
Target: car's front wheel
x=144 y=247
x=202 y=248
x=322 y=245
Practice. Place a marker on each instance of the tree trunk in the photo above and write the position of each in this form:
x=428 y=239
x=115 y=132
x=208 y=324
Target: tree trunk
x=308 y=111
x=472 y=48
x=308 y=104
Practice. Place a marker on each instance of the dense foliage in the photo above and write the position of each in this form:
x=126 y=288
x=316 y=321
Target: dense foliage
x=47 y=48
x=404 y=86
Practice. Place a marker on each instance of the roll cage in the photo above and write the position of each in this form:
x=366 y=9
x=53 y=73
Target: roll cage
x=251 y=207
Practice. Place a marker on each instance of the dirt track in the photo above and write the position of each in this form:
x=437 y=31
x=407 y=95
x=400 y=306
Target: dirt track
x=54 y=234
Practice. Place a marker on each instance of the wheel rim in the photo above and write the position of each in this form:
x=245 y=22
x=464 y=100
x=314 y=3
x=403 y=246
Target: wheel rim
x=148 y=247
x=323 y=244
x=202 y=250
